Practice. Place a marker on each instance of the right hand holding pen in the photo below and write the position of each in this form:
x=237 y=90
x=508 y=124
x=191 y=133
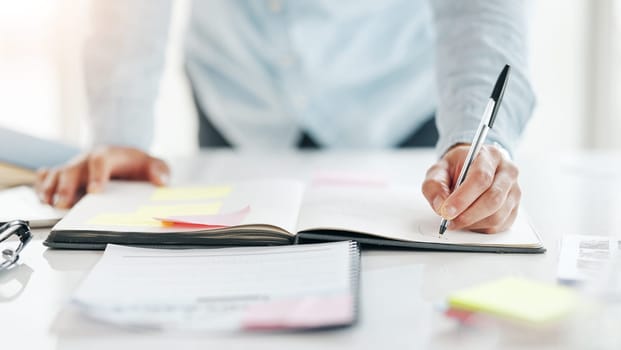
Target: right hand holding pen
x=62 y=187
x=487 y=202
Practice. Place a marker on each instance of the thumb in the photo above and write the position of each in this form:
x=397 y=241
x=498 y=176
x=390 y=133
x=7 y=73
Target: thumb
x=98 y=173
x=158 y=172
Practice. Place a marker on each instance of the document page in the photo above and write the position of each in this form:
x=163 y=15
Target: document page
x=22 y=203
x=302 y=286
x=586 y=258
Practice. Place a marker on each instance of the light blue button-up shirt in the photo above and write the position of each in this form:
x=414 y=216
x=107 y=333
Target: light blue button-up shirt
x=351 y=73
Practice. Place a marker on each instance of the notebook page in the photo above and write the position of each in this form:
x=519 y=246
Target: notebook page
x=221 y=289
x=395 y=212
x=22 y=203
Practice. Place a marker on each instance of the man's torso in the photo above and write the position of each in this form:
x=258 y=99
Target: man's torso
x=350 y=73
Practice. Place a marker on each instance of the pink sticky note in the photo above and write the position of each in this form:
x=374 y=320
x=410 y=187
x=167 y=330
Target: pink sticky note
x=462 y=316
x=307 y=312
x=333 y=178
x=215 y=220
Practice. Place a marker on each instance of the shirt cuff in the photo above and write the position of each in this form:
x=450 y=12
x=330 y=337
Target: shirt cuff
x=466 y=138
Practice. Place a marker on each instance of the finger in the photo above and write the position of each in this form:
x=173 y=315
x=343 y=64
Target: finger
x=479 y=178
x=158 y=172
x=500 y=227
x=98 y=171
x=124 y=163
x=41 y=174
x=436 y=187
x=498 y=220
x=493 y=220
x=490 y=202
x=128 y=163
x=48 y=187
x=69 y=180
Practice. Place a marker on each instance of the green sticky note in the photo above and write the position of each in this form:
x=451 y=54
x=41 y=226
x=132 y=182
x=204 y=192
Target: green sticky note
x=518 y=299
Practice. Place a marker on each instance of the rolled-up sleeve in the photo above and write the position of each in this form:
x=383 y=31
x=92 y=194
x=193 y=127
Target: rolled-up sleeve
x=475 y=39
x=123 y=62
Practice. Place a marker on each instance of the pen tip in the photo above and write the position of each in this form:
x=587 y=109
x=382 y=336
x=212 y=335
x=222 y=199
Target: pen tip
x=442 y=229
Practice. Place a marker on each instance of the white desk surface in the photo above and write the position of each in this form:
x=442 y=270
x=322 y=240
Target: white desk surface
x=562 y=193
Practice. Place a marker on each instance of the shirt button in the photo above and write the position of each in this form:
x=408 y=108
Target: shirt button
x=275 y=5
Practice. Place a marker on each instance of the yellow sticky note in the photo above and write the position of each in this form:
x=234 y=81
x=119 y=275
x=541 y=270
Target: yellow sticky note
x=163 y=211
x=190 y=193
x=144 y=216
x=124 y=219
x=518 y=299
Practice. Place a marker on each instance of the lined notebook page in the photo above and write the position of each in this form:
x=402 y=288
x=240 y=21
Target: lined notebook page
x=305 y=286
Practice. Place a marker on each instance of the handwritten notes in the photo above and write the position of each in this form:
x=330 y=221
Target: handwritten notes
x=517 y=299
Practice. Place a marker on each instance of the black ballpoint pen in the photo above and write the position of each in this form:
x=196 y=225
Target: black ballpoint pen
x=487 y=121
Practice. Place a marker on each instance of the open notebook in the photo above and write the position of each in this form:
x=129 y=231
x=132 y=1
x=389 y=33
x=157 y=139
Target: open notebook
x=271 y=212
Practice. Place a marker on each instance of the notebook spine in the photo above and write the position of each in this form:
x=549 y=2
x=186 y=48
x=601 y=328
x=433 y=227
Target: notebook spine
x=354 y=254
